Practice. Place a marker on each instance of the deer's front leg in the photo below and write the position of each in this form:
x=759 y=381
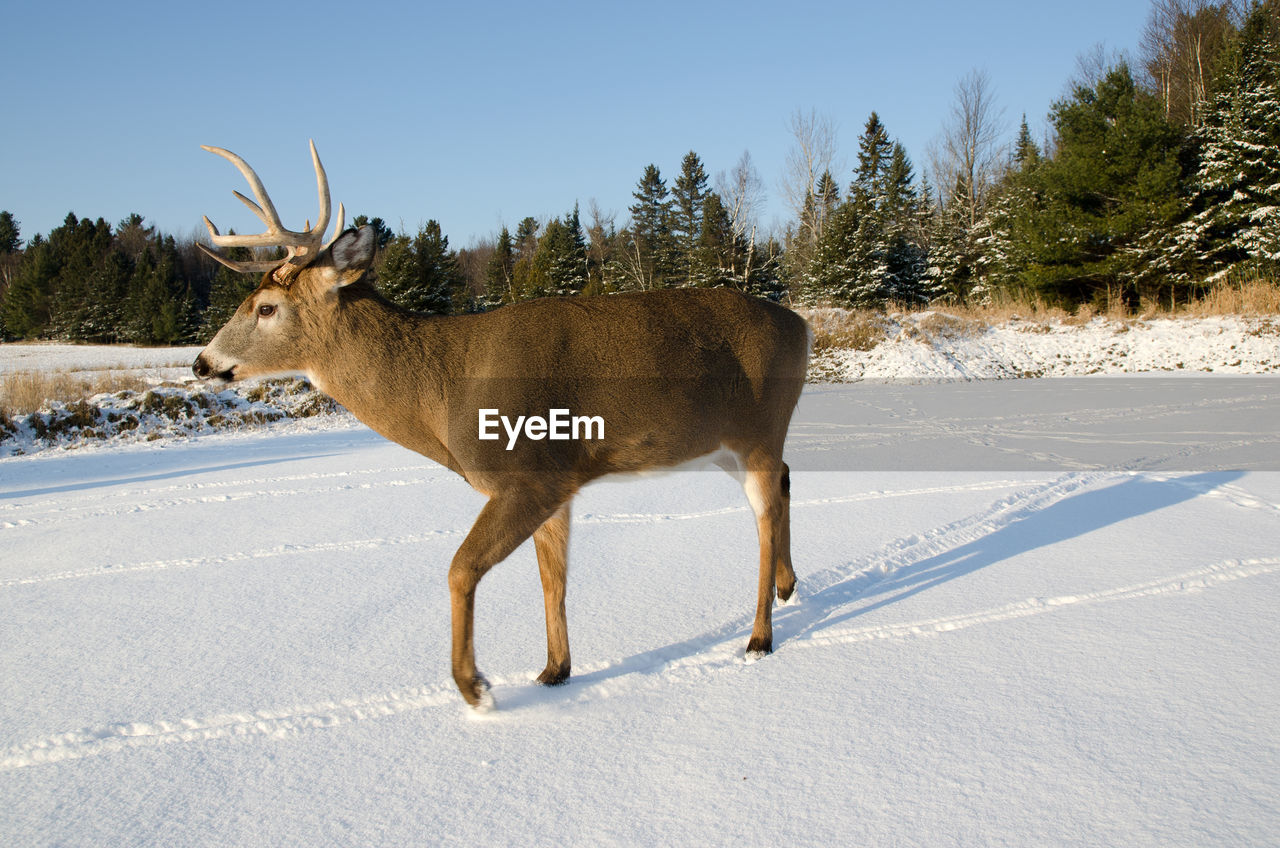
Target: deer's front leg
x=504 y=523
x=552 y=543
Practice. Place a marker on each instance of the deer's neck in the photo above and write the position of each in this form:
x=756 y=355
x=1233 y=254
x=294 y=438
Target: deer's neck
x=392 y=369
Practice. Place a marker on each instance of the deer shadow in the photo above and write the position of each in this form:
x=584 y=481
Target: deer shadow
x=1070 y=518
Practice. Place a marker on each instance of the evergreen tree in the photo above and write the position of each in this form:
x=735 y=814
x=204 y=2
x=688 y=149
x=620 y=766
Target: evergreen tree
x=421 y=273
x=498 y=272
x=721 y=258
x=1113 y=180
x=872 y=248
x=687 y=198
x=1026 y=154
x=26 y=307
x=10 y=239
x=832 y=271
x=161 y=308
x=875 y=151
x=652 y=247
x=559 y=266
x=905 y=256
x=10 y=258
x=1232 y=217
x=953 y=252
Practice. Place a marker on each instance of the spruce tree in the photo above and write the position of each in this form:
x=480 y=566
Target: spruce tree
x=721 y=258
x=651 y=237
x=559 y=266
x=687 y=198
x=498 y=271
x=1113 y=179
x=869 y=240
x=26 y=307
x=1233 y=213
x=421 y=273
x=1026 y=154
x=10 y=239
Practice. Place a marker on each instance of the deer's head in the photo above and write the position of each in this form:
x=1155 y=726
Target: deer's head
x=281 y=326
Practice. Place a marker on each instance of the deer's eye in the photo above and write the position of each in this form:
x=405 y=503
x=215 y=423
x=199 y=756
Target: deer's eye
x=266 y=310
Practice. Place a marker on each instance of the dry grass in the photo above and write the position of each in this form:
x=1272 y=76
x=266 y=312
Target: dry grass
x=862 y=329
x=1255 y=297
x=27 y=391
x=843 y=329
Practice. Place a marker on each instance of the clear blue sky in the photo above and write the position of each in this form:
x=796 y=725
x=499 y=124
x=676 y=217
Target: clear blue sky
x=478 y=114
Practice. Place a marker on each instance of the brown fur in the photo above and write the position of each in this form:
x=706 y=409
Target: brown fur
x=675 y=375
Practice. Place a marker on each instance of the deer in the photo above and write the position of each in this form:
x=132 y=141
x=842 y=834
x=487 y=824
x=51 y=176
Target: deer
x=673 y=376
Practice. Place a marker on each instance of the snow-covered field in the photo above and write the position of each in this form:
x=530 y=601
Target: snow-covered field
x=1033 y=612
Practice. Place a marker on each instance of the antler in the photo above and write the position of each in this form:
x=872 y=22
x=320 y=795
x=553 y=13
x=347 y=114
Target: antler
x=302 y=246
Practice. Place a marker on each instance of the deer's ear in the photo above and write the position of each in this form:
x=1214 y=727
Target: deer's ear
x=352 y=255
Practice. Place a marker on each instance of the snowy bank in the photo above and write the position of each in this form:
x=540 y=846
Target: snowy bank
x=937 y=346
x=162 y=412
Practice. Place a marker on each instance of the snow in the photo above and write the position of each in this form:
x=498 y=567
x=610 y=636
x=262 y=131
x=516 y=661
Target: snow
x=1029 y=612
x=946 y=349
x=170 y=363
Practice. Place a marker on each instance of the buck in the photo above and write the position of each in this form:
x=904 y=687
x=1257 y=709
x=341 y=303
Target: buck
x=674 y=375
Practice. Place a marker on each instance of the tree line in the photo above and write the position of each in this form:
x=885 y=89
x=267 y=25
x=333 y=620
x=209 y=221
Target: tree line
x=1157 y=177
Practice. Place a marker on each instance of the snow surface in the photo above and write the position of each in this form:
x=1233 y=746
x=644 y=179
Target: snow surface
x=242 y=638
x=935 y=346
x=170 y=363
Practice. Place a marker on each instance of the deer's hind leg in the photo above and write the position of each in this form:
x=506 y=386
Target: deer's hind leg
x=784 y=575
x=767 y=488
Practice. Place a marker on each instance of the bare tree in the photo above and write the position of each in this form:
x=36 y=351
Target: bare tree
x=814 y=152
x=743 y=194
x=967 y=156
x=1179 y=45
x=1093 y=65
x=602 y=238
x=812 y=155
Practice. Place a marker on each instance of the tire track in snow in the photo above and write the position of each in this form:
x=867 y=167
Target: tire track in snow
x=1190 y=581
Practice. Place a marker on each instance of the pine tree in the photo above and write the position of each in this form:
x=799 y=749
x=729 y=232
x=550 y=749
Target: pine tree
x=1113 y=179
x=1026 y=154
x=559 y=266
x=652 y=247
x=872 y=248
x=872 y=283
x=26 y=307
x=10 y=239
x=721 y=258
x=161 y=307
x=875 y=151
x=1233 y=217
x=498 y=272
x=687 y=198
x=421 y=273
